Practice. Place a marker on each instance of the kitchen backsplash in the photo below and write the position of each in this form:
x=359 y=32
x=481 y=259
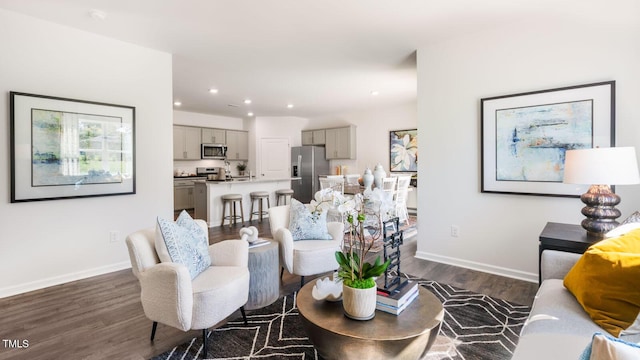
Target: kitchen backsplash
x=189 y=167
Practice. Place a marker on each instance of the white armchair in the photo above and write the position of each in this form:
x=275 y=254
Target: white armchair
x=170 y=296
x=304 y=257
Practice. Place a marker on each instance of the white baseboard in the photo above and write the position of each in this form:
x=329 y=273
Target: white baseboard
x=57 y=280
x=491 y=269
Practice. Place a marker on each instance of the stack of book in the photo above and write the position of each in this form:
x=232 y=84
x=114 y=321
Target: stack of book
x=259 y=242
x=394 y=302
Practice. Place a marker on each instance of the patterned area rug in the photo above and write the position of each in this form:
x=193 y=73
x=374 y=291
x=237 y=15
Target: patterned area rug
x=476 y=326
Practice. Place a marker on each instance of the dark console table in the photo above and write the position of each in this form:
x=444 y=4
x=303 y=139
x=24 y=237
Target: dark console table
x=563 y=237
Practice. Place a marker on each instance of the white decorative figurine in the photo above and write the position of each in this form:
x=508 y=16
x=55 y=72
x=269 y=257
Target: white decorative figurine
x=249 y=234
x=327 y=289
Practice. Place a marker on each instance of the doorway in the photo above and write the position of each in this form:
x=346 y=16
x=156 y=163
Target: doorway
x=275 y=158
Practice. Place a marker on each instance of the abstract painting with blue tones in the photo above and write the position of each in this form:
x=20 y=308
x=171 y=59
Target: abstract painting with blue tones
x=531 y=141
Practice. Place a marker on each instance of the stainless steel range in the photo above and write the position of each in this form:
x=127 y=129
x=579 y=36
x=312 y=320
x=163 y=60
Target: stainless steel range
x=212 y=173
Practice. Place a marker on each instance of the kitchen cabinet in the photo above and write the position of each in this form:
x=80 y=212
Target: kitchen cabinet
x=186 y=143
x=313 y=137
x=183 y=198
x=237 y=145
x=340 y=143
x=183 y=194
x=214 y=136
x=200 y=204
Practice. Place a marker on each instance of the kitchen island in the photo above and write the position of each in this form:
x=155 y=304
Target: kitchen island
x=208 y=202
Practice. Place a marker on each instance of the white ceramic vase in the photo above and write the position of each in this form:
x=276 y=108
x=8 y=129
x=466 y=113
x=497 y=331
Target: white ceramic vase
x=378 y=175
x=359 y=304
x=367 y=179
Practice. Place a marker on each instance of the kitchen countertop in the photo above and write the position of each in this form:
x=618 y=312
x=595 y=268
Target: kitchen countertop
x=189 y=177
x=208 y=195
x=243 y=180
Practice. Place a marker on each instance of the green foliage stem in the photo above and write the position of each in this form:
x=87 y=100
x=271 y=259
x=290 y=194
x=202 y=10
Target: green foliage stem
x=351 y=272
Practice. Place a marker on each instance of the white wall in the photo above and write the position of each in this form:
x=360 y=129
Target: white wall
x=372 y=133
x=263 y=127
x=282 y=127
x=498 y=232
x=210 y=121
x=50 y=242
x=207 y=120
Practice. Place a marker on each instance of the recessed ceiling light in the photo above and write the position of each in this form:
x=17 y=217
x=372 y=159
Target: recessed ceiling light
x=375 y=93
x=247 y=101
x=97 y=14
x=249 y=114
x=289 y=106
x=213 y=91
x=177 y=103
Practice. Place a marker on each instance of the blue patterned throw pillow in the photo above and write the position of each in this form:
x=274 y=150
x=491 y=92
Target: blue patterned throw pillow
x=307 y=225
x=186 y=243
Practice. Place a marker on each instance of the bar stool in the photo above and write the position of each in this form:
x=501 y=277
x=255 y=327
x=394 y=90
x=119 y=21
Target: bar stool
x=260 y=196
x=283 y=193
x=232 y=200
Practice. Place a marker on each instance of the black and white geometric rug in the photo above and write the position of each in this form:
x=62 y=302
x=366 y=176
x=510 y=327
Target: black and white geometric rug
x=476 y=326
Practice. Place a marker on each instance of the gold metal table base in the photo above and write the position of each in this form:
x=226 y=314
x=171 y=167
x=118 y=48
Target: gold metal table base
x=386 y=336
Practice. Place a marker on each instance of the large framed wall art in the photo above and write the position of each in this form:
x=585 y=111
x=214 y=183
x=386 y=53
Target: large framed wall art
x=65 y=148
x=525 y=136
x=403 y=152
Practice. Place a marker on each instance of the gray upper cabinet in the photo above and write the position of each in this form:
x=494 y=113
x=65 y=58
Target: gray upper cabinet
x=186 y=143
x=313 y=137
x=237 y=145
x=340 y=143
x=214 y=136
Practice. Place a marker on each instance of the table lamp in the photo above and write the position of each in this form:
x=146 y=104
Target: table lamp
x=601 y=167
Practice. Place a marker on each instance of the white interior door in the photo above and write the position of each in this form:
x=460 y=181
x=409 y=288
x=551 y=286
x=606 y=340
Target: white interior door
x=275 y=158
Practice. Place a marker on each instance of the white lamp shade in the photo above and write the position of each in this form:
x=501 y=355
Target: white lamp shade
x=601 y=166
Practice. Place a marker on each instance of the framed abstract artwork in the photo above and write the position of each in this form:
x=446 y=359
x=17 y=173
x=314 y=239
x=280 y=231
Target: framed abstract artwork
x=403 y=152
x=525 y=136
x=65 y=148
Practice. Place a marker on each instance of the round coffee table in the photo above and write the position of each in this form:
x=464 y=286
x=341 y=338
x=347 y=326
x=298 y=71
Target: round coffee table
x=386 y=336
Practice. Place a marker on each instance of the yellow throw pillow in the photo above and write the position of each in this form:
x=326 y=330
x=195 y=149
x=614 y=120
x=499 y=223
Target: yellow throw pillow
x=606 y=282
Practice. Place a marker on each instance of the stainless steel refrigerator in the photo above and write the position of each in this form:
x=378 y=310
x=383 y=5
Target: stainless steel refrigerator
x=307 y=163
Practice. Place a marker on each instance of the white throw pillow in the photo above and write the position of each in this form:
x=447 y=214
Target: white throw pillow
x=307 y=225
x=605 y=347
x=630 y=223
x=183 y=242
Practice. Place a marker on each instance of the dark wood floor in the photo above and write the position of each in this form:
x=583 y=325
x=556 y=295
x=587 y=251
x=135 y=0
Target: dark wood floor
x=102 y=318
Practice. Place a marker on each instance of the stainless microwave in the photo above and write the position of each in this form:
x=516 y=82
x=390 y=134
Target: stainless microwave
x=214 y=151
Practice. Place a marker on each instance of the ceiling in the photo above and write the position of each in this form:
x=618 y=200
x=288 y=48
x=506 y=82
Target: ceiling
x=324 y=57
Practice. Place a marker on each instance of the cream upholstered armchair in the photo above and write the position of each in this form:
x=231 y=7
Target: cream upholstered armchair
x=171 y=297
x=304 y=257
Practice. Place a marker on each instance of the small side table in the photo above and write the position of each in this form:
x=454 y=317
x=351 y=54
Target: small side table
x=563 y=237
x=264 y=286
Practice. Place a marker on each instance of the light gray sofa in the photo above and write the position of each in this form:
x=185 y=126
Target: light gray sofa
x=557 y=327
